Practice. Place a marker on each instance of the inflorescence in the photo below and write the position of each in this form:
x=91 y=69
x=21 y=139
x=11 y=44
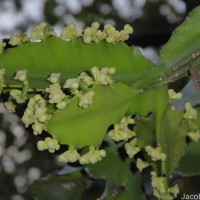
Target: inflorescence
x=37 y=112
x=71 y=32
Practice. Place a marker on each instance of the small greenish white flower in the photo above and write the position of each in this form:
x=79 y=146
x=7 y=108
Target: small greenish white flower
x=21 y=75
x=27 y=120
x=158 y=184
x=17 y=96
x=52 y=144
x=56 y=95
x=71 y=32
x=86 y=99
x=41 y=31
x=10 y=106
x=18 y=39
x=131 y=148
x=194 y=135
x=70 y=155
x=38 y=128
x=54 y=78
x=103 y=76
x=61 y=105
x=174 y=190
x=41 y=145
x=2 y=45
x=190 y=112
x=87 y=79
x=128 y=29
x=141 y=164
x=121 y=131
x=93 y=156
x=72 y=84
x=173 y=95
x=155 y=153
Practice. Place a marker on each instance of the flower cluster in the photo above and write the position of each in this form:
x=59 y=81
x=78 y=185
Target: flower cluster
x=71 y=32
x=131 y=148
x=155 y=153
x=103 y=76
x=50 y=144
x=160 y=188
x=94 y=34
x=17 y=96
x=2 y=45
x=36 y=114
x=80 y=86
x=190 y=112
x=18 y=39
x=140 y=164
x=10 y=106
x=21 y=75
x=93 y=156
x=41 y=32
x=173 y=95
x=70 y=155
x=121 y=131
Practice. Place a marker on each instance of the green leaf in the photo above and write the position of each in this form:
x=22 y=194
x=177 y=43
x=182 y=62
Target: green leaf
x=79 y=127
x=190 y=162
x=183 y=42
x=60 y=187
x=118 y=174
x=173 y=138
x=70 y=58
x=153 y=100
x=144 y=128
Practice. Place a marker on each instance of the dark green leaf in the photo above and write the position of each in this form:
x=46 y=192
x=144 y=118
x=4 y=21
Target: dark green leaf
x=173 y=138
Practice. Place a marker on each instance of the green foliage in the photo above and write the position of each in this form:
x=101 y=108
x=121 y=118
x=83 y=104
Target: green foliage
x=153 y=128
x=173 y=135
x=186 y=38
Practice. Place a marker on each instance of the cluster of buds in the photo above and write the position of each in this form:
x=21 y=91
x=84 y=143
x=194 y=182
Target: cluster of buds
x=10 y=106
x=94 y=34
x=140 y=164
x=155 y=153
x=84 y=81
x=160 y=188
x=173 y=95
x=117 y=36
x=103 y=76
x=93 y=156
x=190 y=112
x=71 y=155
x=131 y=148
x=121 y=131
x=36 y=114
x=18 y=39
x=56 y=95
x=71 y=32
x=17 y=96
x=41 y=32
x=2 y=45
x=50 y=144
